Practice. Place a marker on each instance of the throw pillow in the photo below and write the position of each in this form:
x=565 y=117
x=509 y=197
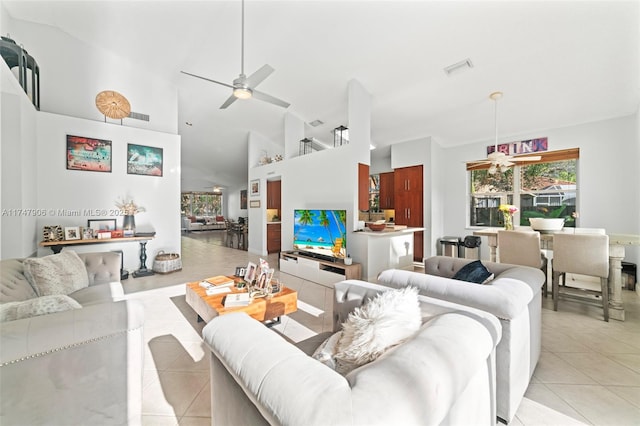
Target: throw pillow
x=38 y=306
x=327 y=350
x=380 y=324
x=474 y=272
x=61 y=273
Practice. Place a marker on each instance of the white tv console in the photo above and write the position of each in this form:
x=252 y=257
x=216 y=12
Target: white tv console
x=317 y=270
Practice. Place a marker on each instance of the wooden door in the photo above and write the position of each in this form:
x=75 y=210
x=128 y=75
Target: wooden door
x=386 y=191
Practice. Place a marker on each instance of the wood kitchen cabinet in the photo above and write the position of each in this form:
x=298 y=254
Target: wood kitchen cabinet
x=274 y=237
x=274 y=191
x=363 y=187
x=409 y=204
x=386 y=196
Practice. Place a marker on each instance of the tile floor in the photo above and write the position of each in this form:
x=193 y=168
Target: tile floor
x=589 y=371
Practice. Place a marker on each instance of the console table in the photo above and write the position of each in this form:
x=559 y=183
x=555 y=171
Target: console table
x=317 y=270
x=143 y=271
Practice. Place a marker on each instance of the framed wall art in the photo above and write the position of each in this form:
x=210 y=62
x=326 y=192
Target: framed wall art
x=254 y=204
x=255 y=187
x=88 y=154
x=101 y=225
x=144 y=160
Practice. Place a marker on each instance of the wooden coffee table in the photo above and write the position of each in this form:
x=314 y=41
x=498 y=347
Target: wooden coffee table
x=267 y=310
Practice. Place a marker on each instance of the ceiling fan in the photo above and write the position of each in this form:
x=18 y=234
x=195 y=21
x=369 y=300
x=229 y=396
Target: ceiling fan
x=500 y=160
x=245 y=87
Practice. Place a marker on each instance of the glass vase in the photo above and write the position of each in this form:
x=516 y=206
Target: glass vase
x=508 y=221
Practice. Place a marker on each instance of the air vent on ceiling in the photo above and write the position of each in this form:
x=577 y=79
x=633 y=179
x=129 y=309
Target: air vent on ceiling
x=139 y=116
x=458 y=66
x=316 y=123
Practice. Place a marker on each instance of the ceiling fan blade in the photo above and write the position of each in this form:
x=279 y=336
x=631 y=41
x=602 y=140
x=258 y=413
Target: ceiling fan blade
x=258 y=77
x=207 y=79
x=268 y=98
x=231 y=99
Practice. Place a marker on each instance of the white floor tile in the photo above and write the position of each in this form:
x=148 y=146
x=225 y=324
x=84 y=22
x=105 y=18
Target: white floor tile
x=588 y=371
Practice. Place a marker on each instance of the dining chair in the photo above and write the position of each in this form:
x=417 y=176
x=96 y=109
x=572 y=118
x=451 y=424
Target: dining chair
x=584 y=254
x=522 y=248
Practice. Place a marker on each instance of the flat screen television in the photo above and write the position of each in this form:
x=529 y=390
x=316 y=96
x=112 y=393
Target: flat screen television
x=320 y=233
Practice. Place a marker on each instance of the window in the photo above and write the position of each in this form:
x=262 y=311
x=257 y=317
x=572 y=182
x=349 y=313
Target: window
x=201 y=204
x=544 y=188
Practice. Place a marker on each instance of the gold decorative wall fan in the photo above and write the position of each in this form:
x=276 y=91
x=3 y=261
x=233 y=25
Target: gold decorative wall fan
x=113 y=105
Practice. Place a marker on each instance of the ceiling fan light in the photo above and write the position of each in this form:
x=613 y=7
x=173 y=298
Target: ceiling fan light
x=242 y=92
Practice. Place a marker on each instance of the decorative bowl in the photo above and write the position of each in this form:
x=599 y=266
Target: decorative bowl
x=376 y=226
x=546 y=224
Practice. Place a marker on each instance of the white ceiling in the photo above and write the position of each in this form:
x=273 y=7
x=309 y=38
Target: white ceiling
x=558 y=63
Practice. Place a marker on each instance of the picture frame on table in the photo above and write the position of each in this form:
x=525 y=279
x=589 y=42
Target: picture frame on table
x=255 y=187
x=88 y=154
x=101 y=225
x=52 y=233
x=264 y=279
x=87 y=233
x=71 y=233
x=144 y=160
x=251 y=271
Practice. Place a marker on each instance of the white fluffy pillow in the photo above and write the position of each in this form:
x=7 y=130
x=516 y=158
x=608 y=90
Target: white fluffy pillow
x=383 y=322
x=38 y=306
x=61 y=273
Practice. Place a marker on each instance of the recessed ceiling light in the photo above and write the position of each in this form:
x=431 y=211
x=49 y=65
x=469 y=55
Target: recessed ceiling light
x=316 y=123
x=458 y=66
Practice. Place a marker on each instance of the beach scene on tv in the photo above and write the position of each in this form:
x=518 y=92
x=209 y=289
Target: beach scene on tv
x=322 y=232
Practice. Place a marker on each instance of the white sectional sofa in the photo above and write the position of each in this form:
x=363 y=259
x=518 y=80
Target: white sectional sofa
x=514 y=296
x=205 y=223
x=444 y=374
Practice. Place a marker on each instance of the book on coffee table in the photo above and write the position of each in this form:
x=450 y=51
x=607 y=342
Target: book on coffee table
x=220 y=280
x=237 y=299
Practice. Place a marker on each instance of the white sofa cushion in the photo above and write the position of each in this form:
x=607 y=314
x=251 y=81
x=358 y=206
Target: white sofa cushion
x=370 y=330
x=61 y=273
x=38 y=306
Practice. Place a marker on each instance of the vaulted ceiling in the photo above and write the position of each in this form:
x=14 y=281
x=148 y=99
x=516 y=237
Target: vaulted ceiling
x=559 y=63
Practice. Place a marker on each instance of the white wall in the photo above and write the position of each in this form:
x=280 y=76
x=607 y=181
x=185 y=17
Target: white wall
x=59 y=189
x=326 y=179
x=608 y=177
x=18 y=175
x=72 y=73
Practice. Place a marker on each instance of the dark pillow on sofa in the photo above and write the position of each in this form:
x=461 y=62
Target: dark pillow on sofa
x=474 y=272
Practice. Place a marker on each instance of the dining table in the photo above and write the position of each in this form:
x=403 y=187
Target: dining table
x=617 y=244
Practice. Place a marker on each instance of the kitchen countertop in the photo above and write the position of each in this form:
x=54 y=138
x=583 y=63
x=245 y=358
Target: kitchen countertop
x=388 y=232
